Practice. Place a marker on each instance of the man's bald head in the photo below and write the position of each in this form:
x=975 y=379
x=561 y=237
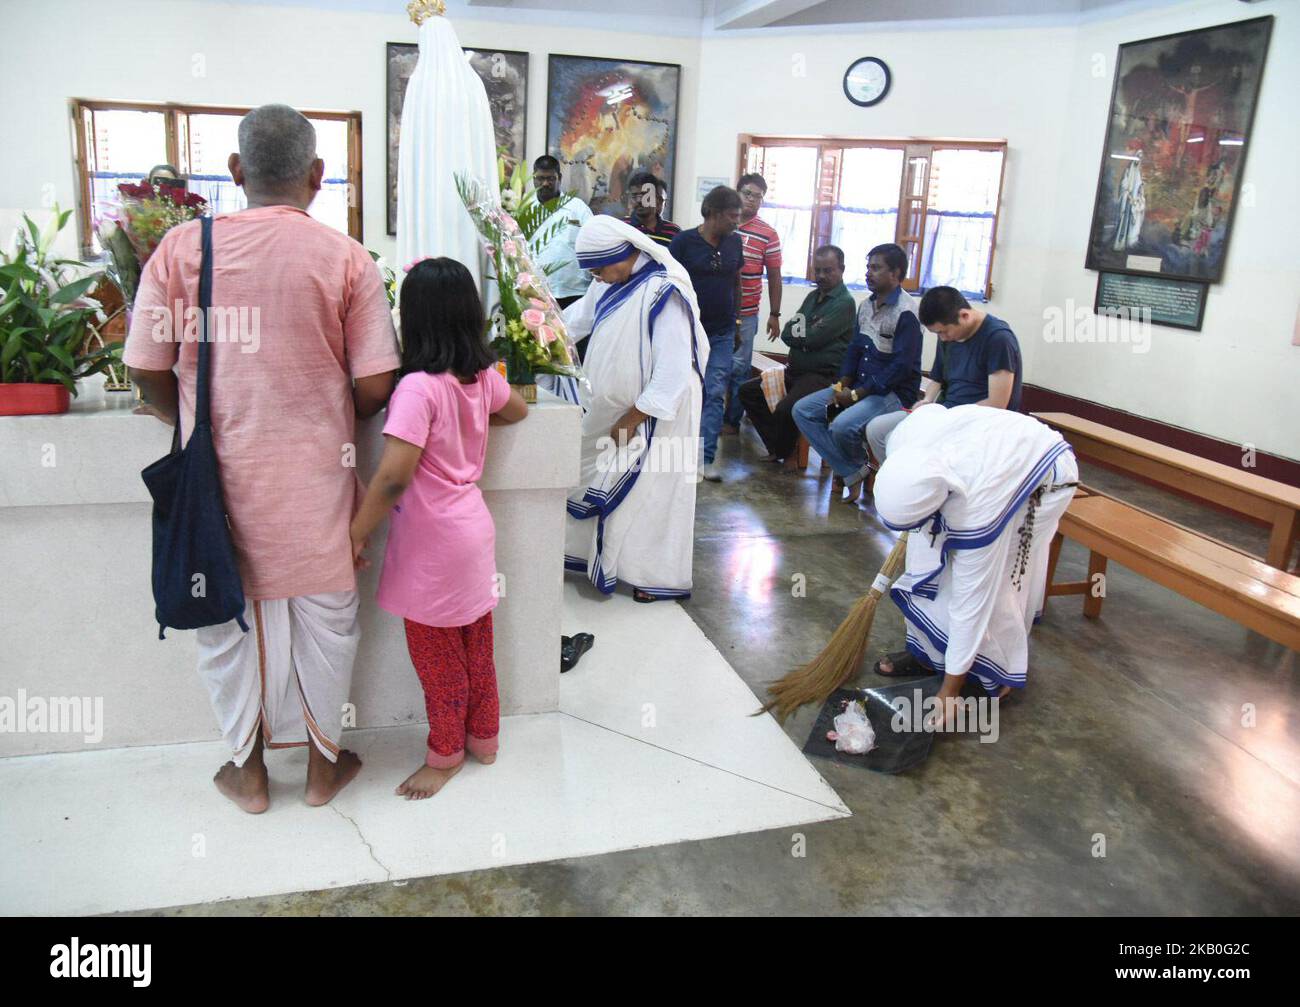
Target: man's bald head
x=277 y=155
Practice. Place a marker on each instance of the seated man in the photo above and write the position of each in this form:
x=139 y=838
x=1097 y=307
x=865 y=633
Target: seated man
x=881 y=373
x=818 y=336
x=977 y=362
x=984 y=489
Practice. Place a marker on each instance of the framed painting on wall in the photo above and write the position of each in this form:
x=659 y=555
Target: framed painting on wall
x=1181 y=112
x=609 y=118
x=505 y=78
x=400 y=64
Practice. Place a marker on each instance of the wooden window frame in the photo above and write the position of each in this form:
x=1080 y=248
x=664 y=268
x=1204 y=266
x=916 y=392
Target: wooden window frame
x=830 y=152
x=174 y=118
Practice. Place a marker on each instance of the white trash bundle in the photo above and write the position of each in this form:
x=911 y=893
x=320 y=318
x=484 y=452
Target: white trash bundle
x=853 y=732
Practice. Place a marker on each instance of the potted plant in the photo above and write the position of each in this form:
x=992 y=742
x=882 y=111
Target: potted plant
x=44 y=317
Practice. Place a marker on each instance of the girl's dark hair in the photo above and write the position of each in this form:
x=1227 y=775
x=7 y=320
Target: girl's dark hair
x=442 y=321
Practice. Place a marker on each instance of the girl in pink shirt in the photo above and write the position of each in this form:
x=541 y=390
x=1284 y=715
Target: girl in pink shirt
x=440 y=568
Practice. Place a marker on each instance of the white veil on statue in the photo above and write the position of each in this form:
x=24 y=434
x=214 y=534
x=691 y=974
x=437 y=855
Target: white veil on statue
x=446 y=130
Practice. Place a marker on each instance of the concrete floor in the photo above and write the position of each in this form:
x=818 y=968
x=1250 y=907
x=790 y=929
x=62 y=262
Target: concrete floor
x=1131 y=732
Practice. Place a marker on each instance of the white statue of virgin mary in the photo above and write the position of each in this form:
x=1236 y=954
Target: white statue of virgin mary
x=446 y=130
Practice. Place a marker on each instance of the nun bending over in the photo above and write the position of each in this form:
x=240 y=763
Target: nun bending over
x=632 y=518
x=982 y=490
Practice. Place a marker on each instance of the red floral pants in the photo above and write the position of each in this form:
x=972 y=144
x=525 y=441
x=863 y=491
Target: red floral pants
x=460 y=688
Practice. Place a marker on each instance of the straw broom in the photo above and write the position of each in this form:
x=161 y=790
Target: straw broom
x=842 y=656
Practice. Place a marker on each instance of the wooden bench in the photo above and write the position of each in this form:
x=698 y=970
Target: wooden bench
x=761 y=362
x=1211 y=573
x=1275 y=504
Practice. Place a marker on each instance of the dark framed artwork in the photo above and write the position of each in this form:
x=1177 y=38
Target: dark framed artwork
x=504 y=74
x=1180 y=304
x=505 y=78
x=608 y=118
x=1181 y=112
x=400 y=64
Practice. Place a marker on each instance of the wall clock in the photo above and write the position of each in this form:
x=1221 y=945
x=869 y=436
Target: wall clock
x=867 y=81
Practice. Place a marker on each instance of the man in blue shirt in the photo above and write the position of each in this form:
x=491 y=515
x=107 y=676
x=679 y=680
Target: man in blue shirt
x=881 y=373
x=977 y=362
x=713 y=254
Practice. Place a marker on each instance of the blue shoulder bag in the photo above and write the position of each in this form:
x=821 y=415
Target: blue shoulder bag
x=196 y=580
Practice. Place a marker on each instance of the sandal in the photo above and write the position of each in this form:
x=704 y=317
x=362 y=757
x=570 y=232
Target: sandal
x=642 y=596
x=572 y=648
x=906 y=665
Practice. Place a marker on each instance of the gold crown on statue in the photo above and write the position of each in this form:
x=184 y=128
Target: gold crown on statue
x=422 y=10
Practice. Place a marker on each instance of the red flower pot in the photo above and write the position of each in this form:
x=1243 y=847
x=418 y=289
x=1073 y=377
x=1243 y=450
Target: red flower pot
x=24 y=399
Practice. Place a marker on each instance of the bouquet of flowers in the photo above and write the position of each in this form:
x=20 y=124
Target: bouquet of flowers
x=132 y=231
x=529 y=332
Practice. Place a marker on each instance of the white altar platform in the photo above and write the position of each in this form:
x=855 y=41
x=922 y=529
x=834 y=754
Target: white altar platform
x=650 y=745
x=648 y=741
x=78 y=612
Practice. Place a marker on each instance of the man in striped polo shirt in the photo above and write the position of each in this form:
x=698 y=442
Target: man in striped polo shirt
x=762 y=251
x=645 y=206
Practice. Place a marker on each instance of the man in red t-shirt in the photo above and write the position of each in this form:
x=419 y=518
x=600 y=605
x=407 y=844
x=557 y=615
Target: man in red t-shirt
x=762 y=251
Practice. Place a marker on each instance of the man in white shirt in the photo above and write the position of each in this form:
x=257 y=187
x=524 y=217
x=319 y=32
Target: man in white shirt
x=556 y=256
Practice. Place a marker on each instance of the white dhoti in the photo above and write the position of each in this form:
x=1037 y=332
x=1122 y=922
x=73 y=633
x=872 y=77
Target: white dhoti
x=989 y=489
x=290 y=674
x=632 y=518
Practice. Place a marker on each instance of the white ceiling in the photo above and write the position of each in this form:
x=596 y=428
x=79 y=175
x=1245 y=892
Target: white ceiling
x=731 y=15
x=706 y=17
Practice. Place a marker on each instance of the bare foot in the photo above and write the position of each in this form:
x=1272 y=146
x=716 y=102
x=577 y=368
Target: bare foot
x=245 y=785
x=325 y=779
x=1004 y=692
x=949 y=694
x=488 y=759
x=853 y=493
x=426 y=781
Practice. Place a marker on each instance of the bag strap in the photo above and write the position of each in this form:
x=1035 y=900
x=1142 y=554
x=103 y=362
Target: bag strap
x=202 y=397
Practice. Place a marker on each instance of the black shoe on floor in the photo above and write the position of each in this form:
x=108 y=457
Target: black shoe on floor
x=572 y=648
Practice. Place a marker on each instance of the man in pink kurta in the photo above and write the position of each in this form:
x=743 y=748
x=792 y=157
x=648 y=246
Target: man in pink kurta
x=303 y=344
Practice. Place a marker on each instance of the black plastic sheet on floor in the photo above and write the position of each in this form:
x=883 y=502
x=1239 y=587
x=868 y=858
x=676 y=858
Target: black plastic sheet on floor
x=896 y=750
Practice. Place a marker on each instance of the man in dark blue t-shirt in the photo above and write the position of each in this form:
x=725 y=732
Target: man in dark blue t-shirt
x=977 y=362
x=713 y=254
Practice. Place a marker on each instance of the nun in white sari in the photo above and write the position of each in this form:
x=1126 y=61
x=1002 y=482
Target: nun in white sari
x=983 y=491
x=632 y=518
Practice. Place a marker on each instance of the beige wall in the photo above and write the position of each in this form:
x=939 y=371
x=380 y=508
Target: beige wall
x=145 y=50
x=1035 y=87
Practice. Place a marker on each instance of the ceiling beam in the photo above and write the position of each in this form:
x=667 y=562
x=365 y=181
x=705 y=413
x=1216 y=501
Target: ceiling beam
x=756 y=13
